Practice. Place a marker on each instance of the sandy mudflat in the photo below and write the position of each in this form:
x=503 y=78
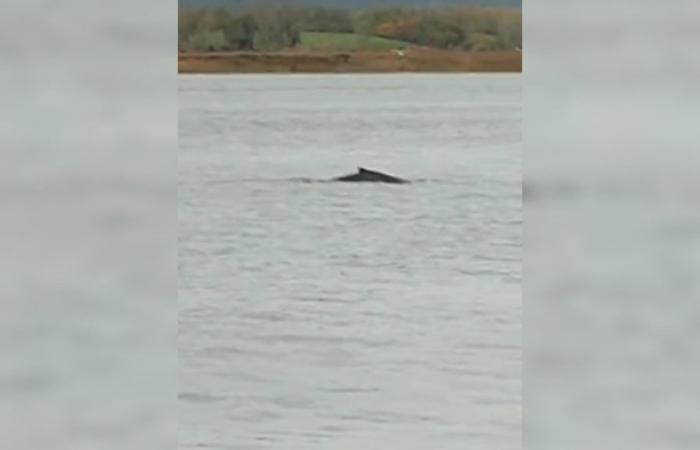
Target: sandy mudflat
x=411 y=60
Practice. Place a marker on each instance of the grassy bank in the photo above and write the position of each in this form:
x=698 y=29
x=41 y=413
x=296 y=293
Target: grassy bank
x=301 y=61
x=346 y=42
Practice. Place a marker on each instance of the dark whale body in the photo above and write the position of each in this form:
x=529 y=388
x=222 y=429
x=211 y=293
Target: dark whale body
x=370 y=176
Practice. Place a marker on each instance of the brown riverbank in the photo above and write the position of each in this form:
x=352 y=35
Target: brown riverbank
x=411 y=60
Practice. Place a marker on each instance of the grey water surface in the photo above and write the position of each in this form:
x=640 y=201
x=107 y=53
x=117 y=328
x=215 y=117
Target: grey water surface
x=322 y=315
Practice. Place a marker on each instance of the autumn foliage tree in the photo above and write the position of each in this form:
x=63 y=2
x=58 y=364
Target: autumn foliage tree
x=275 y=28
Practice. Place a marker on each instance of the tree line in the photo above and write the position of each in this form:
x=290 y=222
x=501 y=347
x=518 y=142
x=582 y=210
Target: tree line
x=279 y=28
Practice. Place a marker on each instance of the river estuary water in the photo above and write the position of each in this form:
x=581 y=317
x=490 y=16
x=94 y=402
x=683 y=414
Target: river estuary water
x=346 y=316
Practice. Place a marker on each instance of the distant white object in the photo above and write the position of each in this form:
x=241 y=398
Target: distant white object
x=518 y=49
x=398 y=52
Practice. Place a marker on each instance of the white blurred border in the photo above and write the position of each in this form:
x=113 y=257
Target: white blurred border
x=612 y=224
x=87 y=265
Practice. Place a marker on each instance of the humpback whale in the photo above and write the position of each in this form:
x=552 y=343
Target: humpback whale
x=367 y=175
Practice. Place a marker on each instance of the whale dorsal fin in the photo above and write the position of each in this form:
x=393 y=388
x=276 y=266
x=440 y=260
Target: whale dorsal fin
x=361 y=169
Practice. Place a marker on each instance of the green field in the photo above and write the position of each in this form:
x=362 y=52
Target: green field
x=347 y=41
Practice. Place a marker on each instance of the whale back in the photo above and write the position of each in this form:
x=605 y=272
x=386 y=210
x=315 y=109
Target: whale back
x=363 y=174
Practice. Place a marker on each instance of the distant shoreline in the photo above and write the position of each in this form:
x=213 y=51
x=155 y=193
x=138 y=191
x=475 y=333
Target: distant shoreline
x=385 y=61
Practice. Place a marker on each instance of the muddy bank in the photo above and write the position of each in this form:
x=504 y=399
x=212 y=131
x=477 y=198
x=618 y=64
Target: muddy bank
x=411 y=60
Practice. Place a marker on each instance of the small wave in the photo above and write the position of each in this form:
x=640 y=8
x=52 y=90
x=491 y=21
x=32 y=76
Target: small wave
x=308 y=180
x=200 y=397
